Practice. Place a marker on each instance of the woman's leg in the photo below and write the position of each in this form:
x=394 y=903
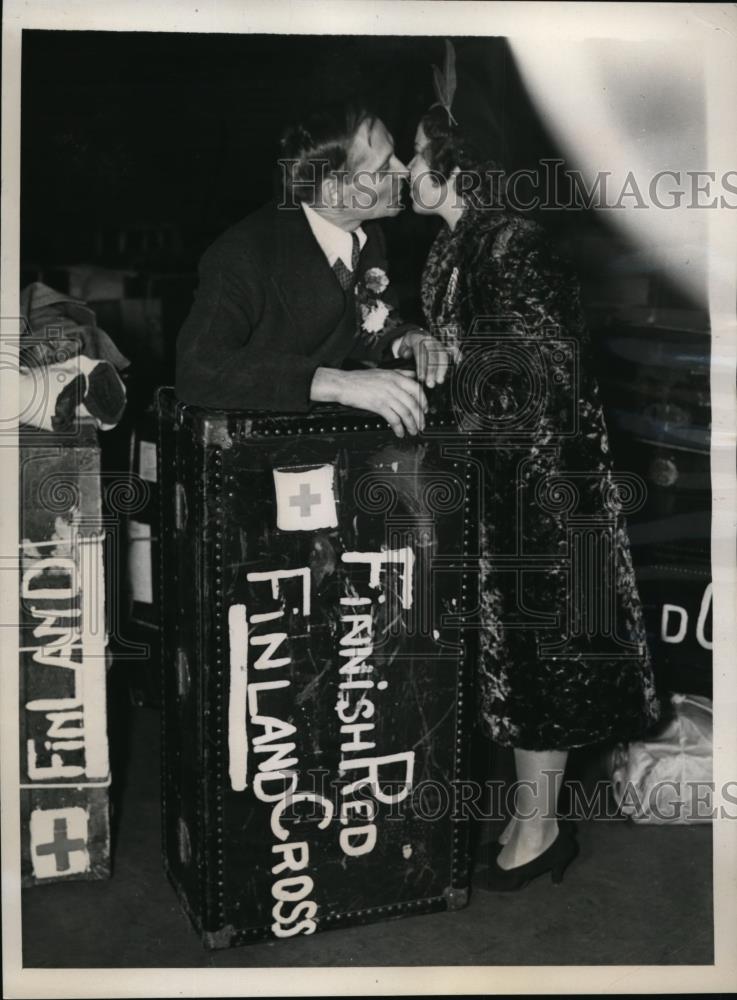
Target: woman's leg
x=508 y=830
x=539 y=780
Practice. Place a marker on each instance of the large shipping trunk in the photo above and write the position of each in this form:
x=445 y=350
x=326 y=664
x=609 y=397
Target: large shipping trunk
x=316 y=575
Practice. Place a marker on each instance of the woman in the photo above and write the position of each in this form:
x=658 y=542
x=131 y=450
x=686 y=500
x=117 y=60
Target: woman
x=487 y=261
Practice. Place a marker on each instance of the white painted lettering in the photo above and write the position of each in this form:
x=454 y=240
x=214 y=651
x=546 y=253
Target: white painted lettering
x=262 y=779
x=357 y=840
x=296 y=857
x=38 y=568
x=275 y=575
x=278 y=811
x=56 y=769
x=678 y=636
x=272 y=643
x=703 y=614
x=303 y=927
x=364 y=708
x=293 y=889
x=354 y=730
x=404 y=557
x=373 y=766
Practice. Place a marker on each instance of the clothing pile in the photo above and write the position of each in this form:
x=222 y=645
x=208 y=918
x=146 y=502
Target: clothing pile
x=667 y=778
x=68 y=366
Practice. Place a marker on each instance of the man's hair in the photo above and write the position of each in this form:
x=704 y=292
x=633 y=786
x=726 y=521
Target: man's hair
x=318 y=144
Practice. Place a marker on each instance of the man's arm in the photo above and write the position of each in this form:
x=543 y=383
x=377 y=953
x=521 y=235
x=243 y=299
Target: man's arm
x=218 y=364
x=221 y=364
x=396 y=396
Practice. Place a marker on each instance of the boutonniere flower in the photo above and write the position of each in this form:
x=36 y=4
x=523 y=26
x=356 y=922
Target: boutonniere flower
x=374 y=314
x=373 y=317
x=376 y=280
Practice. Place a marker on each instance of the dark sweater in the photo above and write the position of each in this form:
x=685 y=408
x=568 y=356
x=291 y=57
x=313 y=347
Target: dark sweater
x=269 y=310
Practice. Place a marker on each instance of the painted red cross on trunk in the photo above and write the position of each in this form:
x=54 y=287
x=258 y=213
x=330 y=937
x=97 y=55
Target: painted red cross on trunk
x=304 y=500
x=61 y=846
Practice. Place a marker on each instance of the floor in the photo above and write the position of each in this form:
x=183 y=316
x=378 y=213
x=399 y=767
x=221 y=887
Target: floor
x=635 y=895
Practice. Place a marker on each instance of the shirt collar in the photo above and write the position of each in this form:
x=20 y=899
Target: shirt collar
x=334 y=241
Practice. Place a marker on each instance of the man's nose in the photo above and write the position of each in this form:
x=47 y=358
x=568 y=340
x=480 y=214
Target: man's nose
x=398 y=167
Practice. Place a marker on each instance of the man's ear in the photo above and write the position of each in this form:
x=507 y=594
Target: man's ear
x=330 y=191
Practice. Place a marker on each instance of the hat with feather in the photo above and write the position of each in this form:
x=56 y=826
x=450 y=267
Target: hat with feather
x=465 y=92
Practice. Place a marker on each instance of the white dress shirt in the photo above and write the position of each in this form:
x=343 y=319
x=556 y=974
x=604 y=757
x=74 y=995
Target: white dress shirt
x=336 y=242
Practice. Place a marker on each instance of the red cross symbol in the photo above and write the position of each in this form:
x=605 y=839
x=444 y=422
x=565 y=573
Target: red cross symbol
x=61 y=846
x=304 y=500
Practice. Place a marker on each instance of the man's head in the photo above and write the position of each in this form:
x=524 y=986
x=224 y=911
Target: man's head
x=341 y=161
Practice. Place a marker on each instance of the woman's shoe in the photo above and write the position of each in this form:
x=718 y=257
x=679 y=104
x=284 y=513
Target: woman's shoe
x=493 y=848
x=567 y=825
x=554 y=860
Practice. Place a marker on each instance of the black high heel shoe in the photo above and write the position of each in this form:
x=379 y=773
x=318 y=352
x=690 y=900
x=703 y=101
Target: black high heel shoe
x=554 y=860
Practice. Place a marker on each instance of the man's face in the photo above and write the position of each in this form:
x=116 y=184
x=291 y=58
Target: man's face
x=372 y=189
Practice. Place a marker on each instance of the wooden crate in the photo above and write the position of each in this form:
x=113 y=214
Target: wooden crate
x=65 y=773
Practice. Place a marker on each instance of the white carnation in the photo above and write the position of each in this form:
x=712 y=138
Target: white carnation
x=374 y=317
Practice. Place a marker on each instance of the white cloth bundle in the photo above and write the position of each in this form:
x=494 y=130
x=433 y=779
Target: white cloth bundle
x=50 y=399
x=668 y=778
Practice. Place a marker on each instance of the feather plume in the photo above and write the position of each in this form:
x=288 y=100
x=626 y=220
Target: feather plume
x=445 y=81
x=450 y=69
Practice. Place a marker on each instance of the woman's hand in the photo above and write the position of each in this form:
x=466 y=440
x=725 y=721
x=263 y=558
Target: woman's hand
x=430 y=356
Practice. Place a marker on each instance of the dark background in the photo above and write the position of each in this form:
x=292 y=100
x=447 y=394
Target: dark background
x=183 y=130
x=139 y=148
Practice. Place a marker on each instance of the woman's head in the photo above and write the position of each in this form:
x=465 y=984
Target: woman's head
x=448 y=169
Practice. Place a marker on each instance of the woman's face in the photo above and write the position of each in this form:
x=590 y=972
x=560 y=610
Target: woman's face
x=427 y=194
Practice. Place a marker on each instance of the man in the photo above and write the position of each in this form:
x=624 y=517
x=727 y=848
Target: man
x=276 y=315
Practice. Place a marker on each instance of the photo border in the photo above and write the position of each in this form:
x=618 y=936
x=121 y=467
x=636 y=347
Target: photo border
x=714 y=26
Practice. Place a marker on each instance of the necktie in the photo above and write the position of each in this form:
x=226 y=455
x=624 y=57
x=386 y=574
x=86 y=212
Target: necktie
x=344 y=276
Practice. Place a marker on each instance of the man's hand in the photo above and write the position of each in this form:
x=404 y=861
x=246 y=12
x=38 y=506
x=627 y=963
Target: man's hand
x=431 y=357
x=394 y=395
